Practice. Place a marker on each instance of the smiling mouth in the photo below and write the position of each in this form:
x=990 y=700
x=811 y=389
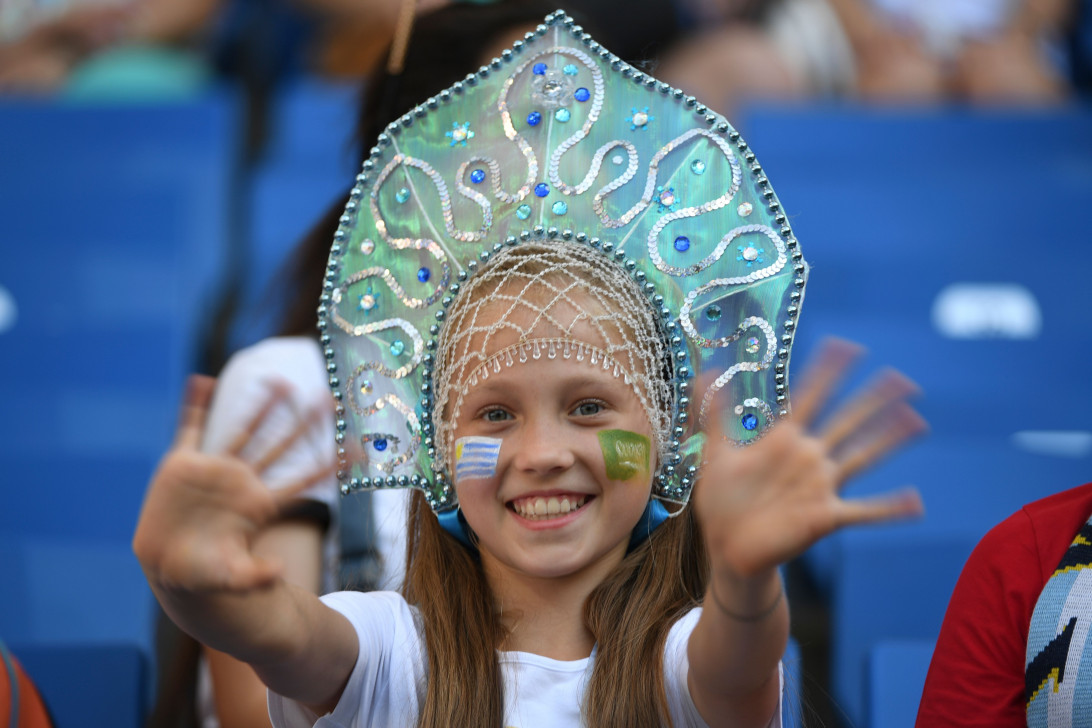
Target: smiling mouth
x=539 y=508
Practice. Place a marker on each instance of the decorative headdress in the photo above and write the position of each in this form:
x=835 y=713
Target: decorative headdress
x=556 y=168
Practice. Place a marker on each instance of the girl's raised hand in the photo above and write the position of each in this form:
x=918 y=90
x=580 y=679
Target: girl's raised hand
x=202 y=512
x=764 y=504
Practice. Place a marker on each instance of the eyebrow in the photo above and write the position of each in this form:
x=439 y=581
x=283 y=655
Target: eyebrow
x=491 y=388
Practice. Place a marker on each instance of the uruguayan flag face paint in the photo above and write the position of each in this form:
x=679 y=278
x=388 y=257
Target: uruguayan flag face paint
x=476 y=457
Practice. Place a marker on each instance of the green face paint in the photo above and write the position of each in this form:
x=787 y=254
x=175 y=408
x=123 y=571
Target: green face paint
x=625 y=453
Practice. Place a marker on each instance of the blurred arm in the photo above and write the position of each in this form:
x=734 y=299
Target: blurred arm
x=297 y=545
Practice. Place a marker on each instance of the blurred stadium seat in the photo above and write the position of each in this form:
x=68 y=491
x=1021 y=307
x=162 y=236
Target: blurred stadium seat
x=74 y=592
x=88 y=686
x=921 y=227
x=896 y=679
x=115 y=235
x=114 y=226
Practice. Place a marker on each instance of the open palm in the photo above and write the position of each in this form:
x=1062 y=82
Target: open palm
x=764 y=504
x=203 y=512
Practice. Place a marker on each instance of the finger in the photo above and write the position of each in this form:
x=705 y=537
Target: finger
x=900 y=504
x=888 y=387
x=277 y=393
x=821 y=377
x=283 y=497
x=195 y=407
x=901 y=425
x=303 y=424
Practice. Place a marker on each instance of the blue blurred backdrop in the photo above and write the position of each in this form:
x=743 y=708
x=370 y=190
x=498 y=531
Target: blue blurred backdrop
x=953 y=244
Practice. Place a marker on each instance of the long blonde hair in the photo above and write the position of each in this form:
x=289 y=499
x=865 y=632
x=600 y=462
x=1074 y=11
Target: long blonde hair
x=629 y=616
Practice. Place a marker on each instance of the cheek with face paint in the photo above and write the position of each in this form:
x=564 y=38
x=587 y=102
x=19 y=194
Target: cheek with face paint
x=625 y=453
x=476 y=457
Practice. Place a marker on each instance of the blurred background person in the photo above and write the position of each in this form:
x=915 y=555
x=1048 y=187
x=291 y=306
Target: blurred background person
x=996 y=52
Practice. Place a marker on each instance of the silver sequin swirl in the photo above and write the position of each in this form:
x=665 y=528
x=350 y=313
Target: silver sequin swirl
x=742 y=366
x=752 y=277
x=650 y=188
x=446 y=208
x=412 y=425
x=594 y=109
x=391 y=323
x=702 y=209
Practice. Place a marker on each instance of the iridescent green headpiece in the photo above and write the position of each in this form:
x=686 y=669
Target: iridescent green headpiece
x=557 y=142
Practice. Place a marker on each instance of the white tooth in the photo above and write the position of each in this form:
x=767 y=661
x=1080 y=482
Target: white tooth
x=565 y=505
x=553 y=507
x=540 y=506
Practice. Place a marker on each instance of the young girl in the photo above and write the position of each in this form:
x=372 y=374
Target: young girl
x=556 y=575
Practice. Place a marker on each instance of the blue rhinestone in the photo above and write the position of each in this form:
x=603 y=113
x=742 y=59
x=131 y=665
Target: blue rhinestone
x=569 y=69
x=534 y=118
x=542 y=189
x=477 y=176
x=712 y=312
x=582 y=94
x=562 y=115
x=539 y=69
x=397 y=347
x=402 y=195
x=749 y=421
x=523 y=212
x=380 y=444
x=682 y=243
x=423 y=275
x=560 y=208
x=697 y=167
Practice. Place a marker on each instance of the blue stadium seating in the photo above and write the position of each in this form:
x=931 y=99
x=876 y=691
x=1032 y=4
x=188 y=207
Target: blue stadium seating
x=115 y=235
x=893 y=208
x=74 y=591
x=88 y=686
x=896 y=678
x=115 y=240
x=114 y=225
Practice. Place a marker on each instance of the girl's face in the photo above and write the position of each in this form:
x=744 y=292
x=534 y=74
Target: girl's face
x=574 y=469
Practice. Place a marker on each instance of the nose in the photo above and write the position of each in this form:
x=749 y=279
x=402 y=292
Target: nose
x=544 y=448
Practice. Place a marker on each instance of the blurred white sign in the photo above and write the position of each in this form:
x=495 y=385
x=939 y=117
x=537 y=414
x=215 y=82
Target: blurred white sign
x=8 y=310
x=987 y=311
x=1061 y=443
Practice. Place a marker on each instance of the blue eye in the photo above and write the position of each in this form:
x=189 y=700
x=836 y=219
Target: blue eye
x=586 y=409
x=495 y=415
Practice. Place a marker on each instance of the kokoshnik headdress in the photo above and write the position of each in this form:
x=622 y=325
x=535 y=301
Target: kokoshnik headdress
x=555 y=173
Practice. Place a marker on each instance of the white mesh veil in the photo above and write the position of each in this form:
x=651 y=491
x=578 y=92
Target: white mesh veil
x=558 y=300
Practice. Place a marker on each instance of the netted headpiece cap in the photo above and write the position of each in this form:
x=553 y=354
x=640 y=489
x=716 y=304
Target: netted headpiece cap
x=557 y=300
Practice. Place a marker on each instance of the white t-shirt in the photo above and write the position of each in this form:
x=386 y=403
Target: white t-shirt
x=387 y=685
